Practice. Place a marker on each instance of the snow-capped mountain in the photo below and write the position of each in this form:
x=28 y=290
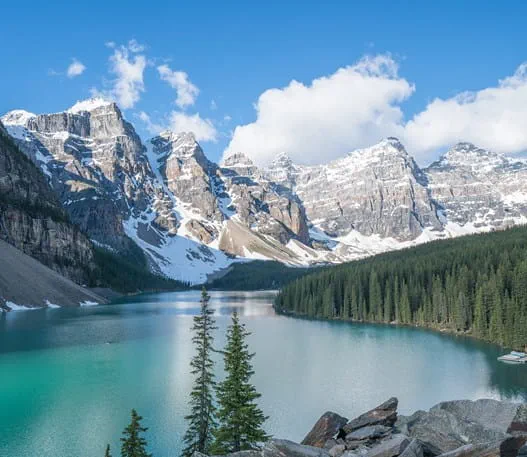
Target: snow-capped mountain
x=190 y=216
x=193 y=217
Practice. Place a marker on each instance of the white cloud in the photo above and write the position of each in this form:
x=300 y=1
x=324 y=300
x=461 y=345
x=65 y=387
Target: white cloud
x=493 y=118
x=76 y=68
x=186 y=91
x=360 y=104
x=151 y=126
x=134 y=46
x=129 y=69
x=354 y=107
x=203 y=129
x=177 y=121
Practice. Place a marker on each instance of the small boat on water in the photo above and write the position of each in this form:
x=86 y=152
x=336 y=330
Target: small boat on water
x=514 y=357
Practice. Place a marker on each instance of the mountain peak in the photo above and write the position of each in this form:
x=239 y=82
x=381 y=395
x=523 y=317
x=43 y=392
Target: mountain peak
x=182 y=137
x=467 y=155
x=17 y=117
x=182 y=145
x=282 y=160
x=390 y=146
x=89 y=104
x=236 y=160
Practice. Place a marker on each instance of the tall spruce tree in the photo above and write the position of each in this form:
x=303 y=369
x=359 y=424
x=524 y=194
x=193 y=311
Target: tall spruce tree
x=201 y=420
x=132 y=443
x=240 y=418
x=107 y=453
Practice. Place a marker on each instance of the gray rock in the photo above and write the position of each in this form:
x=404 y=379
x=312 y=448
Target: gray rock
x=451 y=425
x=384 y=414
x=391 y=447
x=414 y=449
x=368 y=433
x=523 y=451
x=285 y=448
x=324 y=429
x=491 y=414
x=519 y=422
x=33 y=220
x=337 y=450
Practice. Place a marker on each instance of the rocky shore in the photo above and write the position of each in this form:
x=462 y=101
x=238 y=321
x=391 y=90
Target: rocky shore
x=463 y=428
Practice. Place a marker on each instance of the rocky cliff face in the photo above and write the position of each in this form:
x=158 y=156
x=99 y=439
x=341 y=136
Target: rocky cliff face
x=191 y=216
x=479 y=189
x=32 y=219
x=374 y=191
x=165 y=196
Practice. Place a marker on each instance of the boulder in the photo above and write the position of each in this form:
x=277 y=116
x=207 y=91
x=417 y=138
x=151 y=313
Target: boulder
x=384 y=414
x=440 y=431
x=286 y=448
x=523 y=451
x=337 y=450
x=414 y=449
x=491 y=414
x=519 y=422
x=370 y=432
x=475 y=450
x=391 y=447
x=324 y=429
x=510 y=447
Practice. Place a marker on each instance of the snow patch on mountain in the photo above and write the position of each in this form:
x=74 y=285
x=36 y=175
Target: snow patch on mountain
x=89 y=104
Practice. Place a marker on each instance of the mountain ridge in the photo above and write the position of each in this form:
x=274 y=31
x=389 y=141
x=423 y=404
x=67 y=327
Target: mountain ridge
x=193 y=217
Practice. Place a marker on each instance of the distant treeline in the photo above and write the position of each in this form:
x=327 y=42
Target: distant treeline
x=258 y=274
x=475 y=284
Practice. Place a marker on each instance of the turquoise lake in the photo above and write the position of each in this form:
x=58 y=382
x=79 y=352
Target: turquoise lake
x=69 y=377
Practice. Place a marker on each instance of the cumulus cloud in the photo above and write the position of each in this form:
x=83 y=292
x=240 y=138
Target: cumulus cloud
x=186 y=91
x=494 y=118
x=128 y=68
x=151 y=126
x=76 y=68
x=203 y=129
x=354 y=107
x=360 y=104
x=177 y=121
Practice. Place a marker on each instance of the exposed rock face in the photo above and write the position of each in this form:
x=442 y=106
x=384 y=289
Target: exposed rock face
x=190 y=215
x=325 y=428
x=478 y=187
x=384 y=414
x=374 y=191
x=97 y=165
x=32 y=219
x=263 y=205
x=452 y=425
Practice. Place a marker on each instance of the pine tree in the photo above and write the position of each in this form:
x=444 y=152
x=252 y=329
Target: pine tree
x=240 y=418
x=201 y=420
x=133 y=444
x=107 y=453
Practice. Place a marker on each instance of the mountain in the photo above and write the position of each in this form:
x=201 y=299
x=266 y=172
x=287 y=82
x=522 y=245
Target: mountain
x=165 y=204
x=479 y=190
x=33 y=220
x=189 y=216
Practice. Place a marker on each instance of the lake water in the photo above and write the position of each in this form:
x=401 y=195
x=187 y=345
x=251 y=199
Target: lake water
x=66 y=392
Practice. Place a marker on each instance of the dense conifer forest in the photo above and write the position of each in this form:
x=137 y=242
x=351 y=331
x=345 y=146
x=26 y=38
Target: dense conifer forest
x=475 y=284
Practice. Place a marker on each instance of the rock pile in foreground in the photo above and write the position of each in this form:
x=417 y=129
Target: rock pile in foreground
x=482 y=428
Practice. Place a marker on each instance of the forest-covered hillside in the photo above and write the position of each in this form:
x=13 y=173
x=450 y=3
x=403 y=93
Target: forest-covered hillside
x=475 y=284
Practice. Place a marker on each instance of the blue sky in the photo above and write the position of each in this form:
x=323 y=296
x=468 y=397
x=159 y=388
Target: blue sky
x=234 y=52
